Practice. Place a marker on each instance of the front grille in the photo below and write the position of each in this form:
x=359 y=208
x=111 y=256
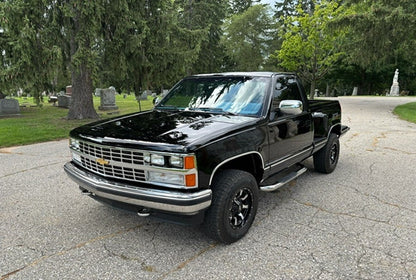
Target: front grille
x=122 y=163
x=111 y=153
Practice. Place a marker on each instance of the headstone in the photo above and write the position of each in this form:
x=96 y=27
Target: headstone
x=68 y=90
x=64 y=101
x=143 y=96
x=9 y=107
x=108 y=99
x=355 y=91
x=395 y=89
x=97 y=92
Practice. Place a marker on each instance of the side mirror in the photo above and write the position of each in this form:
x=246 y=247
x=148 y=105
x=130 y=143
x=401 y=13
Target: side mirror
x=291 y=107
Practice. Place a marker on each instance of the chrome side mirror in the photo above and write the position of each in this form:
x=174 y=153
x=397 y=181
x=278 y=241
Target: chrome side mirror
x=291 y=107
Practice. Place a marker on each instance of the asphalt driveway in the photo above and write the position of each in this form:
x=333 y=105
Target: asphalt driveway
x=357 y=223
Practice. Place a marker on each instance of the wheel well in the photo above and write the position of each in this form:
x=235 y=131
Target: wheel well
x=335 y=129
x=250 y=163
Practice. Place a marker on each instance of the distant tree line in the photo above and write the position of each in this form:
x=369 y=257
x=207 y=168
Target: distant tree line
x=136 y=45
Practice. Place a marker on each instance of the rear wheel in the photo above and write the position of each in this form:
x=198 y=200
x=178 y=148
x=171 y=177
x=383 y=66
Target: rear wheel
x=326 y=159
x=234 y=206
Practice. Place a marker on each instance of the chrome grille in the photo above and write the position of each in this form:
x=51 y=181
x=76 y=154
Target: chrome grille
x=122 y=163
x=111 y=153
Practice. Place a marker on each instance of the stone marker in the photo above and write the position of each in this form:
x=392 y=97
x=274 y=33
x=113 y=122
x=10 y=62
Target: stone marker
x=395 y=89
x=9 y=107
x=64 y=101
x=97 y=92
x=108 y=99
x=68 y=90
x=143 y=96
x=355 y=91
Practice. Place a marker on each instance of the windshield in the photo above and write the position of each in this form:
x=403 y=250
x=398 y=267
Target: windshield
x=234 y=95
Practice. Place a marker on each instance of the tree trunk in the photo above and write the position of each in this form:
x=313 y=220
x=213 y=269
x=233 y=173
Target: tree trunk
x=312 y=91
x=82 y=106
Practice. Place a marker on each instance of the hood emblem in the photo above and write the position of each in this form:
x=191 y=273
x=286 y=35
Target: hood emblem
x=102 y=161
x=175 y=135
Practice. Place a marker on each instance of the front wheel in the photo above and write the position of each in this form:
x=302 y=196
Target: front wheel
x=326 y=159
x=234 y=206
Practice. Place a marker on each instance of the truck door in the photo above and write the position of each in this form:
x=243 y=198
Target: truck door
x=290 y=129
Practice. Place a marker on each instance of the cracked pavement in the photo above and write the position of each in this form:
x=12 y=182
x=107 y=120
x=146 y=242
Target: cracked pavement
x=357 y=223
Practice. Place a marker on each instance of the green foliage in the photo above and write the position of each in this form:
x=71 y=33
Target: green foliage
x=30 y=59
x=246 y=37
x=310 y=46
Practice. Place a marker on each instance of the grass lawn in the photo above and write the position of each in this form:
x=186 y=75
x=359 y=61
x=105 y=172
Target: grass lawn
x=406 y=112
x=39 y=124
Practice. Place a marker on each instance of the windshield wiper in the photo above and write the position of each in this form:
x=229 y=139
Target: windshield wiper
x=168 y=107
x=213 y=110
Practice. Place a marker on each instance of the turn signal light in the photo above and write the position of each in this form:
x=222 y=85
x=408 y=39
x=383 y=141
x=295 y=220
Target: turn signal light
x=190 y=180
x=189 y=162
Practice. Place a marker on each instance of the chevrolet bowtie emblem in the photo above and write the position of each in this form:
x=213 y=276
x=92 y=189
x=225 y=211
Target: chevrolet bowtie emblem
x=102 y=161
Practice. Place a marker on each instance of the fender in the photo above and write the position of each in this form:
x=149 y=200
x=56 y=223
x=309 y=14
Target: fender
x=232 y=158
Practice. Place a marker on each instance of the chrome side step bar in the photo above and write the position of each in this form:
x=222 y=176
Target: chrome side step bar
x=291 y=176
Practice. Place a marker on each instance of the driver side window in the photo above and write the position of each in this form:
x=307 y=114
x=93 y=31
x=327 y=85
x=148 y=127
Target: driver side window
x=285 y=88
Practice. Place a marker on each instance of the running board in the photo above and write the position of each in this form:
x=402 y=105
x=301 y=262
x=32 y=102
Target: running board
x=289 y=177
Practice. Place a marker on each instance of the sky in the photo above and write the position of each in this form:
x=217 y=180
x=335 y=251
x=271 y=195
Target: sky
x=270 y=2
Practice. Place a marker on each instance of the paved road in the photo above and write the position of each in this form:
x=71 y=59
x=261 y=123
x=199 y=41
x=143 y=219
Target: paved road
x=356 y=223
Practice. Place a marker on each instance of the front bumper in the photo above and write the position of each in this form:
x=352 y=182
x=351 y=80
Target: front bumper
x=162 y=200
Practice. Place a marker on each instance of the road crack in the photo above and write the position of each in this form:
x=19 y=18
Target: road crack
x=351 y=215
x=186 y=262
x=63 y=252
x=30 y=169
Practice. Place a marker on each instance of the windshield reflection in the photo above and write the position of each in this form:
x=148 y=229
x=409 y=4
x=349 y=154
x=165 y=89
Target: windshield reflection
x=236 y=95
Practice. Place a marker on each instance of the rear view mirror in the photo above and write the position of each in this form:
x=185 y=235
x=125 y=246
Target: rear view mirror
x=291 y=107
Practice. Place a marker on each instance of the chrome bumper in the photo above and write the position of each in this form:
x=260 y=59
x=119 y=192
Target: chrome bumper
x=169 y=201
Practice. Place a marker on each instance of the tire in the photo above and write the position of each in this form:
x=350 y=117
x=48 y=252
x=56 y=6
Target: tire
x=234 y=206
x=326 y=159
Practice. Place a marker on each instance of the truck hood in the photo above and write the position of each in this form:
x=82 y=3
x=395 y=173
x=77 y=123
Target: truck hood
x=178 y=131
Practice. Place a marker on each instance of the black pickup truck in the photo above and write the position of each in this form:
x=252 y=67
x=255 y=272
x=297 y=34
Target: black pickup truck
x=207 y=148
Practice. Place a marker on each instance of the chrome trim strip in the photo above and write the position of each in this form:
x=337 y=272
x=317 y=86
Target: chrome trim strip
x=171 y=201
x=320 y=145
x=290 y=157
x=285 y=180
x=234 y=157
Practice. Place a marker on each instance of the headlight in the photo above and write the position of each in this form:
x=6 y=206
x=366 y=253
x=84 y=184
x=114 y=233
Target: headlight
x=176 y=161
x=76 y=157
x=170 y=160
x=162 y=177
x=74 y=144
x=171 y=169
x=157 y=160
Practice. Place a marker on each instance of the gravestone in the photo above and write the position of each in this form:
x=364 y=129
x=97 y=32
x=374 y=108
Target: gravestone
x=9 y=107
x=143 y=96
x=97 y=92
x=395 y=89
x=64 y=101
x=68 y=90
x=108 y=99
